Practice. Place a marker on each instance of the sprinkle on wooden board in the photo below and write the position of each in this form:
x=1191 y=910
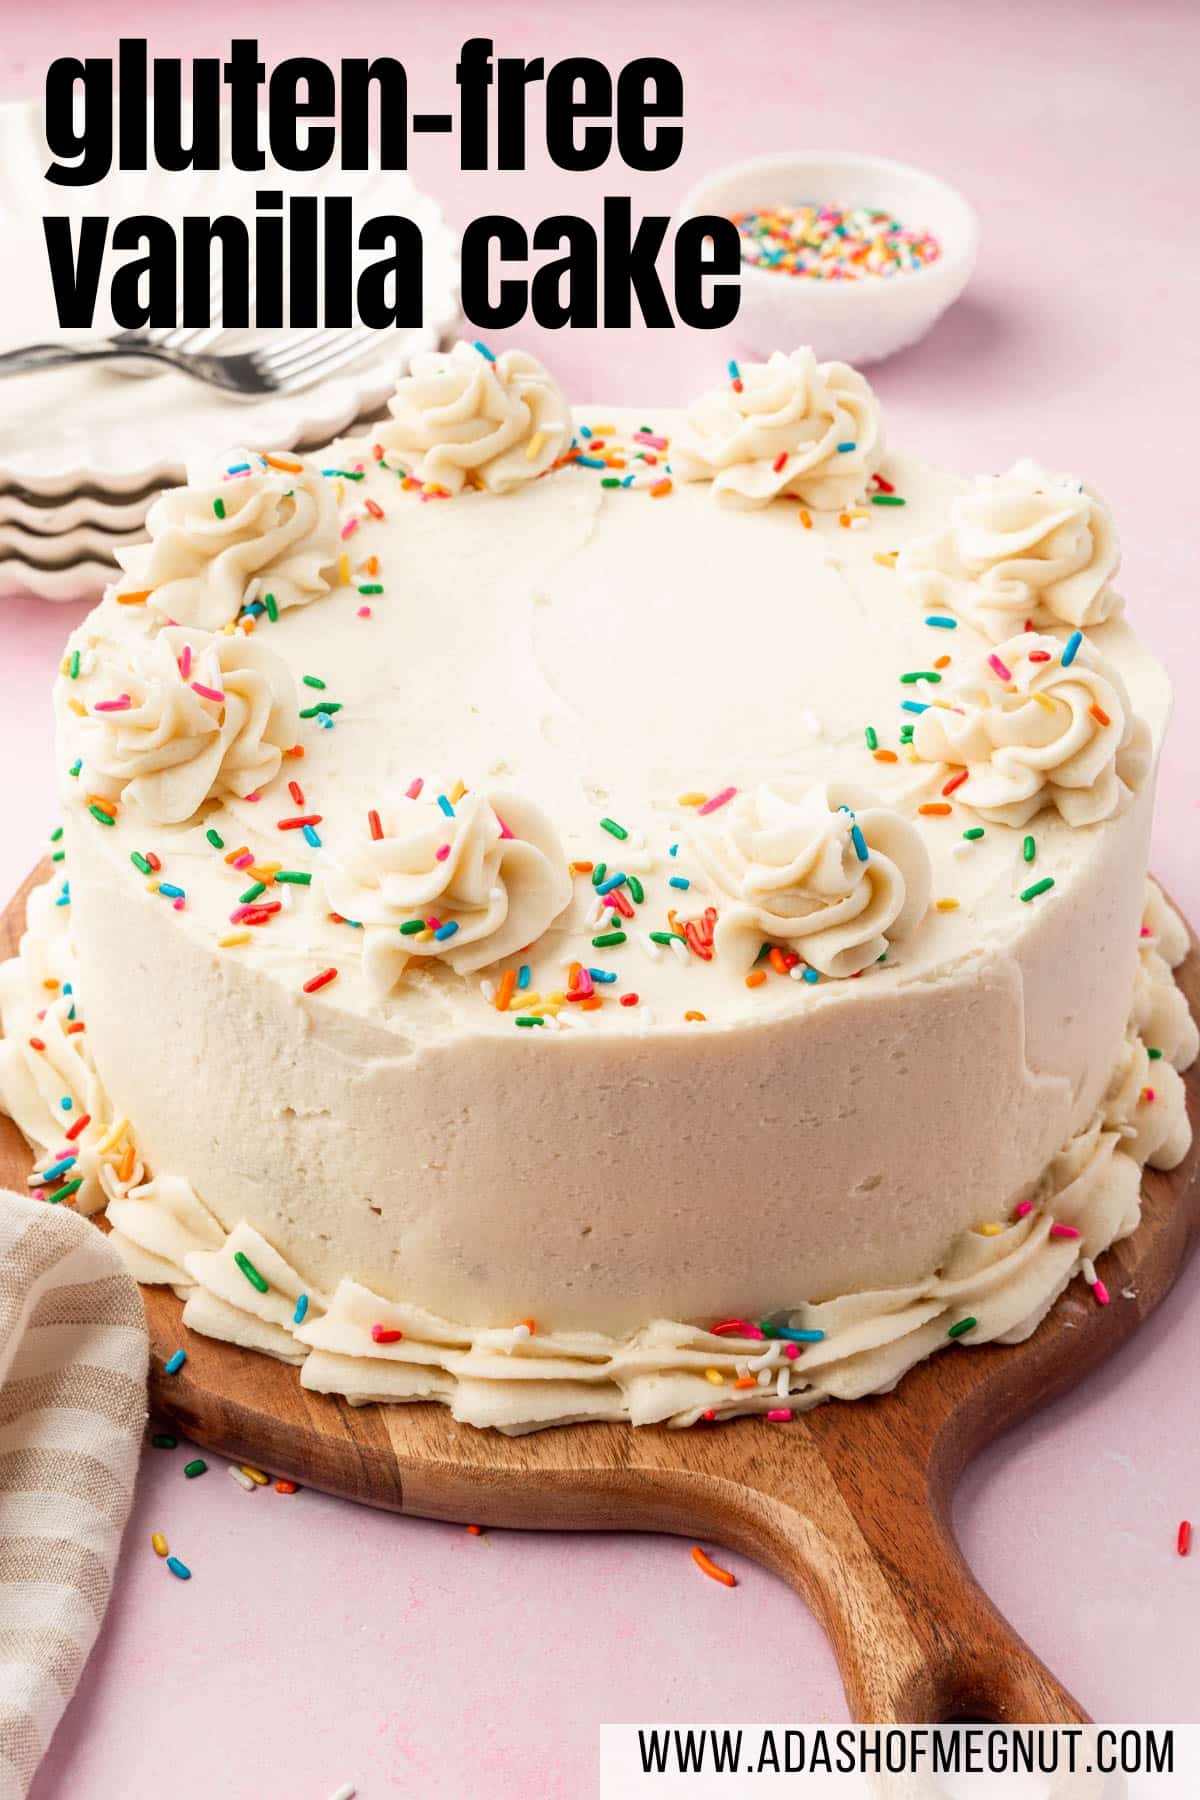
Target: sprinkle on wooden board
x=713 y=1570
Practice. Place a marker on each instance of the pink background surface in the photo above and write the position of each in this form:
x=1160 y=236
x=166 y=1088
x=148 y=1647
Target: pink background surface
x=319 y=1642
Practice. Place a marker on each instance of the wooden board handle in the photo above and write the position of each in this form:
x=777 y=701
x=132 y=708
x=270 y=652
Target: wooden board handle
x=917 y=1641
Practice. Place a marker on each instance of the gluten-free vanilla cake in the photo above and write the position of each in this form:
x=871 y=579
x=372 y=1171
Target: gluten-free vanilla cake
x=606 y=914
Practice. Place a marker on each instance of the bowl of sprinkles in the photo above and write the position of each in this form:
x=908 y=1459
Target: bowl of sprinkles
x=856 y=255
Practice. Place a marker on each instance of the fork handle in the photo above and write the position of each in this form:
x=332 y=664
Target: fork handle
x=32 y=357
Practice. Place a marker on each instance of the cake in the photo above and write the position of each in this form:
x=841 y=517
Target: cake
x=604 y=914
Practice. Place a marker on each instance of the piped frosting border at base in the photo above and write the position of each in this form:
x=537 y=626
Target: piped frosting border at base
x=996 y=1284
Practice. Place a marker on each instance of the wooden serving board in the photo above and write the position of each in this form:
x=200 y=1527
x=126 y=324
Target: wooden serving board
x=850 y=1503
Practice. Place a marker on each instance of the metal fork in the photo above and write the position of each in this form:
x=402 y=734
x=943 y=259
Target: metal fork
x=249 y=374
x=180 y=337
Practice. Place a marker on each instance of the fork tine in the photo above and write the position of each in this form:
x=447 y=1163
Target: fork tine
x=344 y=348
x=177 y=336
x=279 y=356
x=327 y=344
x=203 y=337
x=351 y=351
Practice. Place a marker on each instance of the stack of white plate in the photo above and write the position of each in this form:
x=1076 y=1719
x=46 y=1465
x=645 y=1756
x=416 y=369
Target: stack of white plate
x=84 y=452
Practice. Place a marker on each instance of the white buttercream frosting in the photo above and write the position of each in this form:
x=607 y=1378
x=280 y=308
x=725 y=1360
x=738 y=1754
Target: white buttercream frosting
x=1004 y=1275
x=489 y=866
x=828 y=872
x=464 y=417
x=788 y=426
x=1027 y=546
x=184 y=715
x=227 y=538
x=1033 y=734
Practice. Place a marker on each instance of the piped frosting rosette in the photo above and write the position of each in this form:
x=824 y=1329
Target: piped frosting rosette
x=467 y=882
x=791 y=426
x=466 y=418
x=827 y=871
x=246 y=526
x=1039 y=724
x=189 y=715
x=1146 y=1099
x=1027 y=545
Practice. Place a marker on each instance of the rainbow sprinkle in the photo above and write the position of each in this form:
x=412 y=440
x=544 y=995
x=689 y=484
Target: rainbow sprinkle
x=833 y=243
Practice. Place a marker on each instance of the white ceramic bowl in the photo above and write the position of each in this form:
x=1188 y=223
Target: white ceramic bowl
x=846 y=321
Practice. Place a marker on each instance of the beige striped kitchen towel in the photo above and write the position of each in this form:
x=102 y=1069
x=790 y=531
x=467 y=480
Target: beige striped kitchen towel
x=73 y=1355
